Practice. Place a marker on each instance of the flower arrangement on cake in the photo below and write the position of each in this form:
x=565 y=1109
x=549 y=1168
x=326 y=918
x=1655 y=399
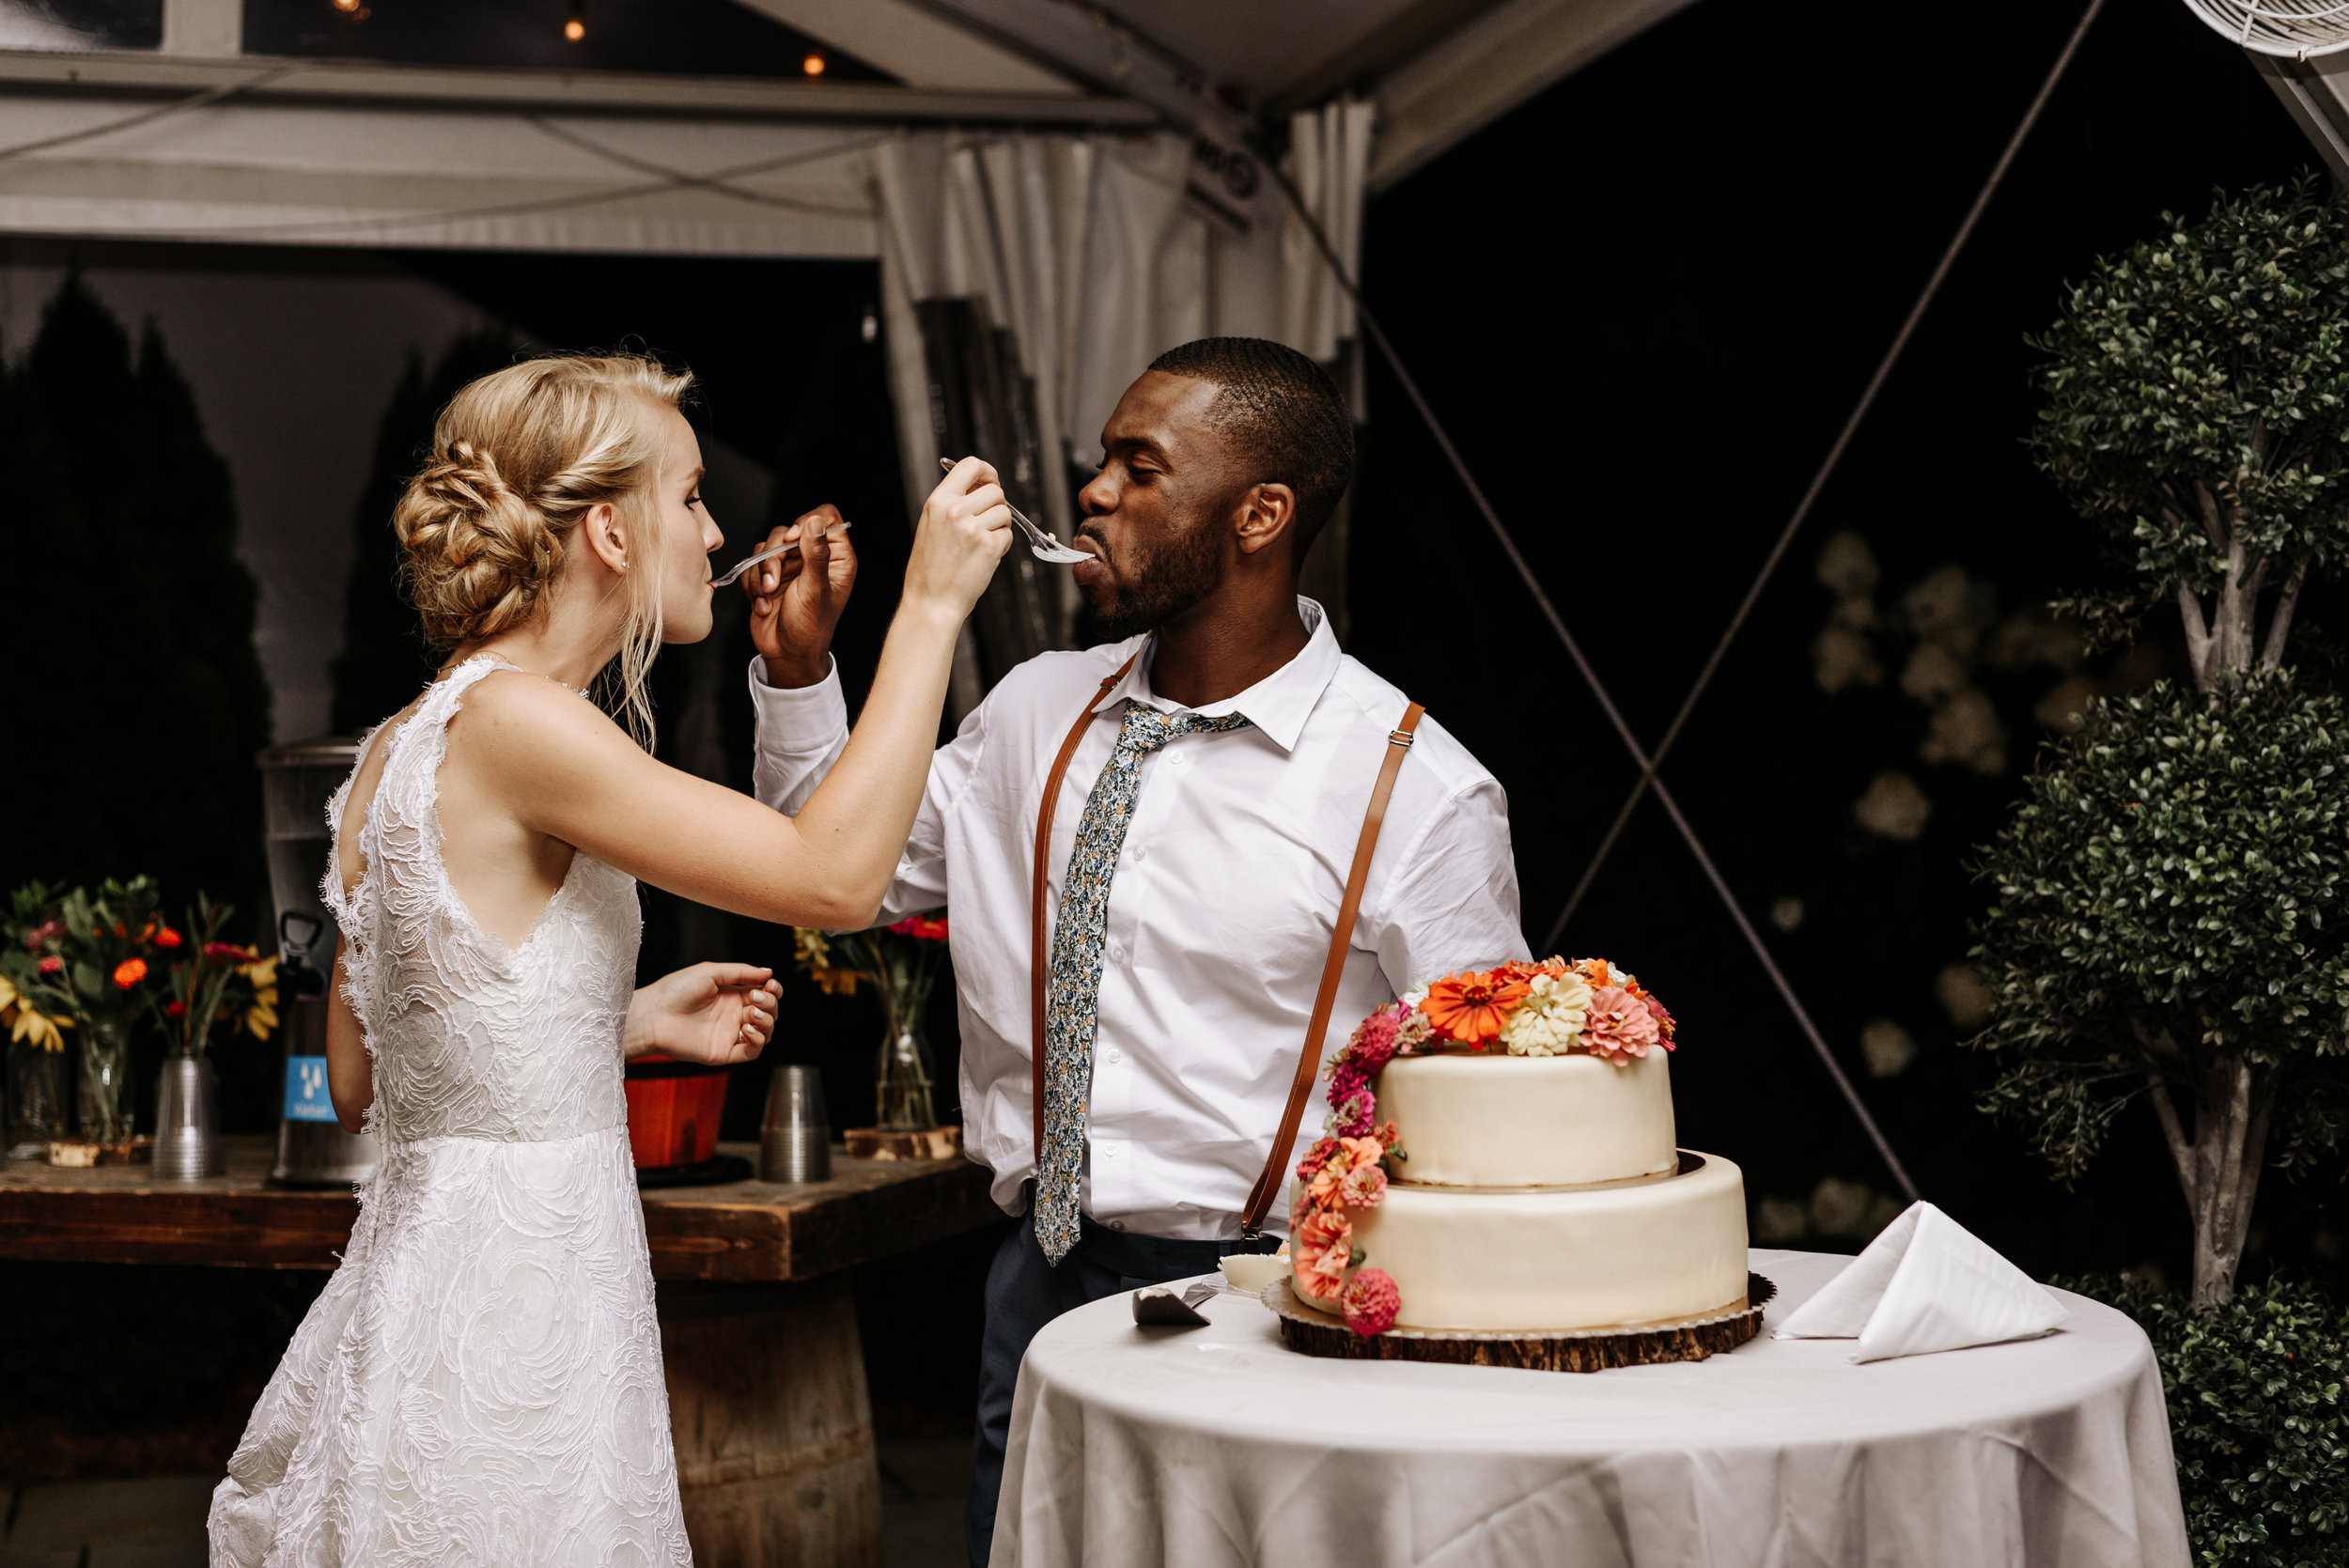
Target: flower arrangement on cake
x=1588 y=1006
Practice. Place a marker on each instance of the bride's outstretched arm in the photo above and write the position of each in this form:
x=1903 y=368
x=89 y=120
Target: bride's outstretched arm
x=567 y=772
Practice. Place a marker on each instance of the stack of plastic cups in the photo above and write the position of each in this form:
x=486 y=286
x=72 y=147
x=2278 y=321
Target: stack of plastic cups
x=795 y=1139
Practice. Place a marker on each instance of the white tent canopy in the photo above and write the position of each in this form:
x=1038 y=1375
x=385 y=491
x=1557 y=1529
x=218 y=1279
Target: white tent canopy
x=1084 y=181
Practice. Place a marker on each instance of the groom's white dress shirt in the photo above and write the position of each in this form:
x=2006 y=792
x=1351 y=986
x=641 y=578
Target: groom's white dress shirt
x=1220 y=910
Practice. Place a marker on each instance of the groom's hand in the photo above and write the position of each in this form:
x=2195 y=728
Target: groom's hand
x=796 y=599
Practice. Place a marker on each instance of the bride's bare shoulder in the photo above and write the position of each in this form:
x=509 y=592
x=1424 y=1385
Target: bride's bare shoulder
x=512 y=714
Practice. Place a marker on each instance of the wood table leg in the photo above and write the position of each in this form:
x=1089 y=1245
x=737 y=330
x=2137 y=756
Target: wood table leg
x=772 y=1426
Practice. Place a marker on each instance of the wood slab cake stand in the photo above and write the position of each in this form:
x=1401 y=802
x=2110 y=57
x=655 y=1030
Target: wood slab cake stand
x=1314 y=1332
x=766 y=1399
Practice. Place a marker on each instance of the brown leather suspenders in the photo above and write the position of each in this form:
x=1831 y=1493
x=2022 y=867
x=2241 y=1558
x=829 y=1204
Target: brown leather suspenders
x=1309 y=1060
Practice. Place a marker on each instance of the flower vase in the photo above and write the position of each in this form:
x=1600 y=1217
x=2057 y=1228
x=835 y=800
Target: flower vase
x=903 y=1081
x=908 y=1126
x=36 y=1100
x=107 y=1104
x=188 y=1145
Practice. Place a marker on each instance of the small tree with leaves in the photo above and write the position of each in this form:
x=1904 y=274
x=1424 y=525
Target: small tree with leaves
x=2172 y=895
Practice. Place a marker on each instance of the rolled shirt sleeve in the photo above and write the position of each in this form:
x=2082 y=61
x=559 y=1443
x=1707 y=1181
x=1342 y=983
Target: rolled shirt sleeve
x=1452 y=902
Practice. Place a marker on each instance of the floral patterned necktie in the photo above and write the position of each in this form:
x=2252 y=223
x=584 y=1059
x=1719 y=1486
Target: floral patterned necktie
x=1073 y=982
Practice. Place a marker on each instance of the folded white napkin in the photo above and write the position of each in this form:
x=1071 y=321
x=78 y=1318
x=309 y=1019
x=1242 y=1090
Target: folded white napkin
x=1927 y=1283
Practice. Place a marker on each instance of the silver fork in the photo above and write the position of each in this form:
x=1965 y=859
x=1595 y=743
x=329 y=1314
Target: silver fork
x=784 y=549
x=1043 y=546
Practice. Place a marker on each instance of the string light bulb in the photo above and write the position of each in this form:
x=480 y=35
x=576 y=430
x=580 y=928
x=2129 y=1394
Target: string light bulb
x=814 y=64
x=347 y=6
x=576 y=28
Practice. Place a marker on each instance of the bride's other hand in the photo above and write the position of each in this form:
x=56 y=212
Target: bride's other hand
x=965 y=529
x=713 y=1014
x=796 y=599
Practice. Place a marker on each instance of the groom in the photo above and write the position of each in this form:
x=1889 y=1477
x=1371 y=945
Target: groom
x=1201 y=845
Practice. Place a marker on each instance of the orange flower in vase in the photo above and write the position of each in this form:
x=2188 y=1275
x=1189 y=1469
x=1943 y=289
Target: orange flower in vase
x=129 y=972
x=1471 y=1008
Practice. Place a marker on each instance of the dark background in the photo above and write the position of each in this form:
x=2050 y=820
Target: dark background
x=1643 y=304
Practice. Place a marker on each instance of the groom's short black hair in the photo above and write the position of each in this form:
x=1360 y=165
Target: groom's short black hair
x=1279 y=410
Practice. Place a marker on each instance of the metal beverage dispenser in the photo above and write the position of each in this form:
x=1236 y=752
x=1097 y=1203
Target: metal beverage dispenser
x=313 y=1150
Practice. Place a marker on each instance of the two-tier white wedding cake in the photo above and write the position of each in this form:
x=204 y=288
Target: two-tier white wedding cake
x=1502 y=1157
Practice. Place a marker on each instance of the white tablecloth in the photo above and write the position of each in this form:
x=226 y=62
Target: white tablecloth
x=1194 y=1448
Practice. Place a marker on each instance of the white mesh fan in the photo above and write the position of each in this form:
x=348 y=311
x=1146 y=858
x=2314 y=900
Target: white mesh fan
x=2299 y=29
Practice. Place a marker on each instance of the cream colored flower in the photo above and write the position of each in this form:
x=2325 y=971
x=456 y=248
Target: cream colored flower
x=1549 y=1019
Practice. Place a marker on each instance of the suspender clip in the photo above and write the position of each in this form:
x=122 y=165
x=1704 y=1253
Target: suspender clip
x=1398 y=738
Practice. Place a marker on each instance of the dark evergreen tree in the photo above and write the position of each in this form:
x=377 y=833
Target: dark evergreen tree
x=161 y=702
x=384 y=661
x=54 y=823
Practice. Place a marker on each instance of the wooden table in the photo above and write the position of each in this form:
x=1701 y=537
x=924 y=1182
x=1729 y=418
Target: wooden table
x=767 y=1396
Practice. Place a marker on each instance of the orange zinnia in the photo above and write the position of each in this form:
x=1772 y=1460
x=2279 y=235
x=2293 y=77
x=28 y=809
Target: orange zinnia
x=129 y=972
x=1471 y=1008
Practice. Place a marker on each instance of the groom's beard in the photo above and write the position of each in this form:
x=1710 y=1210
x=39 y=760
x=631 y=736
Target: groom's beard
x=1157 y=585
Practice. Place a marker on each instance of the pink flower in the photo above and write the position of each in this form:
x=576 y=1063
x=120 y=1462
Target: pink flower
x=1619 y=1027
x=1372 y=1302
x=1663 y=1020
x=52 y=965
x=1322 y=1249
x=1315 y=1157
x=1386 y=1135
x=1372 y=1044
x=1363 y=1187
x=1354 y=1118
x=1349 y=1081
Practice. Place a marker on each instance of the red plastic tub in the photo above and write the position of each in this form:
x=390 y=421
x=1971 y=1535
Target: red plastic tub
x=673 y=1111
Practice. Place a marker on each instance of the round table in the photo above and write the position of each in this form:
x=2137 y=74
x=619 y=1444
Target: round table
x=1199 y=1447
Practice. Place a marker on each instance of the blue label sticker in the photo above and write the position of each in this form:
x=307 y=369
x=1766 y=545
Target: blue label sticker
x=306 y=1099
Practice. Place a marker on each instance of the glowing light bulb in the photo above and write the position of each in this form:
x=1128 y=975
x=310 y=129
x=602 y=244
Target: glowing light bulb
x=347 y=5
x=813 y=65
x=574 y=29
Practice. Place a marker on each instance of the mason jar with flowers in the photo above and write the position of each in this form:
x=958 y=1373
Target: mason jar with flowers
x=901 y=962
x=85 y=961
x=35 y=1020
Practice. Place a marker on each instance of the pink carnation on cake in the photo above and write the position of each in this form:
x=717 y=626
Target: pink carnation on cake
x=1323 y=1247
x=1315 y=1157
x=1663 y=1020
x=1363 y=1187
x=1371 y=1302
x=1619 y=1026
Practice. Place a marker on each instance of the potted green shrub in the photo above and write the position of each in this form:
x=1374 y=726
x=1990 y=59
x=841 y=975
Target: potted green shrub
x=2171 y=922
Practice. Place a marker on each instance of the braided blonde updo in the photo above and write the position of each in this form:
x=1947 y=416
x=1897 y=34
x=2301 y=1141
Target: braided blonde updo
x=517 y=458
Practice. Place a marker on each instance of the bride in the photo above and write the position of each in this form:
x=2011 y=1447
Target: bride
x=480 y=1381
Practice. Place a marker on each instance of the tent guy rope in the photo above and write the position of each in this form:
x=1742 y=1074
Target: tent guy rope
x=1599 y=688
x=1826 y=469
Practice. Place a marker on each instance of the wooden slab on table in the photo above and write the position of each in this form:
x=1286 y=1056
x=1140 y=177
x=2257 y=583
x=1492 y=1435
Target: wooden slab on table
x=741 y=1231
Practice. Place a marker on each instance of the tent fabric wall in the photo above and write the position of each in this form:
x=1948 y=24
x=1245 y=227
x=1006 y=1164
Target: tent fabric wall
x=1083 y=254
x=294 y=174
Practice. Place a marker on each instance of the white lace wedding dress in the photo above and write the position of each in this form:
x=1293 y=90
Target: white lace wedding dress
x=480 y=1382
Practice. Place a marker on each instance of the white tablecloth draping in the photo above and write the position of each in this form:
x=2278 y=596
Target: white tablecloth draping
x=1195 y=1448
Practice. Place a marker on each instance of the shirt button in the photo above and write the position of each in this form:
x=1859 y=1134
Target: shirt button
x=1117 y=1225
x=1117 y=1056
x=1140 y=852
x=1117 y=953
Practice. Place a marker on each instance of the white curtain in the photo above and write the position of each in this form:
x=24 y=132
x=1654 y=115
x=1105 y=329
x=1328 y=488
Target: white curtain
x=1082 y=257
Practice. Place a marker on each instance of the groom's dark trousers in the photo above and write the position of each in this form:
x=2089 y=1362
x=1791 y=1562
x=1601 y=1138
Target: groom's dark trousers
x=1024 y=1293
